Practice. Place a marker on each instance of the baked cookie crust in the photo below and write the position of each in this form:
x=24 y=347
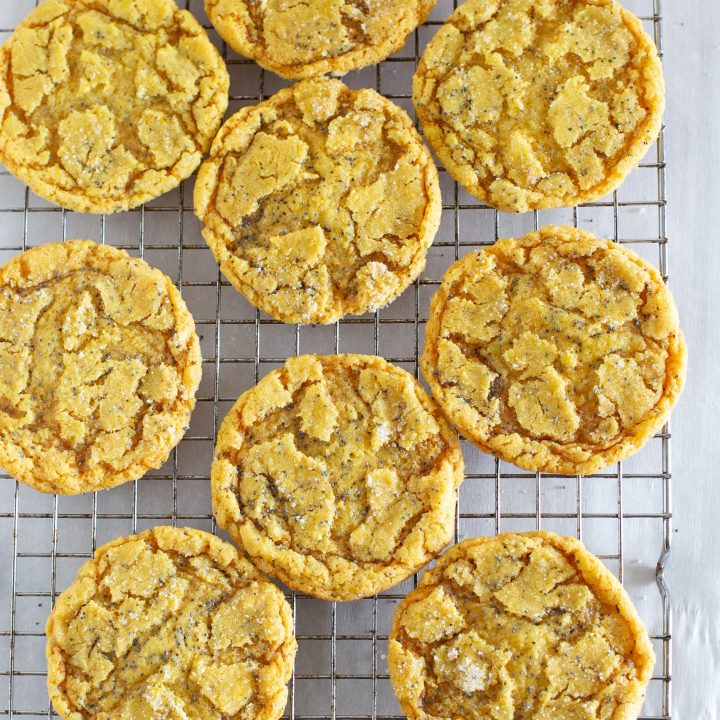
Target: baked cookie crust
x=519 y=626
x=556 y=352
x=338 y=475
x=303 y=39
x=169 y=623
x=319 y=202
x=105 y=105
x=533 y=105
x=99 y=364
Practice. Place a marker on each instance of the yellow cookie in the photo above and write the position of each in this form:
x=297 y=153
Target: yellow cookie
x=557 y=351
x=338 y=475
x=106 y=104
x=519 y=626
x=319 y=202
x=303 y=38
x=536 y=104
x=99 y=364
x=170 y=623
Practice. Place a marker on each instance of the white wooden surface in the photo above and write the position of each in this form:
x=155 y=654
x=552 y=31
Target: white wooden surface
x=692 y=67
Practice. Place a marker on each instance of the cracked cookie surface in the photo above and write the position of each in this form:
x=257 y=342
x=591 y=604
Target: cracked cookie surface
x=534 y=105
x=304 y=38
x=170 y=623
x=338 y=475
x=319 y=202
x=519 y=626
x=99 y=364
x=106 y=104
x=556 y=352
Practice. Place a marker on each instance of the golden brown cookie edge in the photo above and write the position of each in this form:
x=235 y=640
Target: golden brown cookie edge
x=77 y=202
x=236 y=36
x=598 y=578
x=676 y=367
x=644 y=137
x=206 y=190
x=81 y=254
x=220 y=551
x=228 y=513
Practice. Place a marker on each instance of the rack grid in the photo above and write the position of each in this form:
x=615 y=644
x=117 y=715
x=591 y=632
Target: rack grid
x=623 y=514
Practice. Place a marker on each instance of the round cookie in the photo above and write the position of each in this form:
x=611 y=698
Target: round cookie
x=534 y=105
x=525 y=626
x=319 y=202
x=99 y=364
x=338 y=475
x=303 y=39
x=105 y=105
x=169 y=623
x=556 y=352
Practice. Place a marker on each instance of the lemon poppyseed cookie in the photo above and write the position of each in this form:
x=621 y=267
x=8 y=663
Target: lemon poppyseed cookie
x=99 y=364
x=338 y=475
x=170 y=623
x=539 y=104
x=298 y=39
x=513 y=627
x=319 y=202
x=106 y=104
x=557 y=352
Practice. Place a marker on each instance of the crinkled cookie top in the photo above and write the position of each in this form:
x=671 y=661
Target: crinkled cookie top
x=556 y=352
x=169 y=623
x=540 y=103
x=319 y=202
x=338 y=475
x=519 y=627
x=99 y=364
x=304 y=38
x=105 y=104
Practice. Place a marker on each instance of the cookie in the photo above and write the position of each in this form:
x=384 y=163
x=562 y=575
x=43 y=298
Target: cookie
x=519 y=626
x=338 y=475
x=170 y=623
x=534 y=105
x=302 y=39
x=319 y=202
x=106 y=104
x=556 y=352
x=99 y=364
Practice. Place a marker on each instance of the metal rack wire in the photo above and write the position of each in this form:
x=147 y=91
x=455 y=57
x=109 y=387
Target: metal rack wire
x=623 y=514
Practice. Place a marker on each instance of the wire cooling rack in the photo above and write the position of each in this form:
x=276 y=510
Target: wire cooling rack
x=622 y=514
